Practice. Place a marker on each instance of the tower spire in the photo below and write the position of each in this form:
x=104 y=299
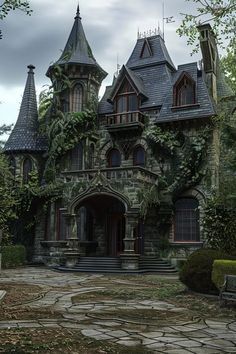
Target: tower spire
x=78 y=12
x=25 y=135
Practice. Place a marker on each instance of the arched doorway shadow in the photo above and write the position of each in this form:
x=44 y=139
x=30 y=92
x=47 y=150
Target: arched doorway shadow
x=101 y=225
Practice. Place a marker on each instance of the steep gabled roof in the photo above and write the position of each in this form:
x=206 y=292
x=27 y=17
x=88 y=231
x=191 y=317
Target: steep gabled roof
x=158 y=50
x=25 y=135
x=135 y=81
x=77 y=49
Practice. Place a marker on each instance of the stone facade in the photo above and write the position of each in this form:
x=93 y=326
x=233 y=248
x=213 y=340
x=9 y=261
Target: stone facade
x=118 y=168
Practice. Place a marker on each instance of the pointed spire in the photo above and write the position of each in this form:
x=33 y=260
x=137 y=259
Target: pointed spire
x=24 y=136
x=77 y=49
x=78 y=12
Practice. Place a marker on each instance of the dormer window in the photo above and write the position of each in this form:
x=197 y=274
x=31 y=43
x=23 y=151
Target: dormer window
x=184 y=91
x=127 y=99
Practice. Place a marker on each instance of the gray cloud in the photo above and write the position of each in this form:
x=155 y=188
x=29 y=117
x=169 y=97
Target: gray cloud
x=110 y=26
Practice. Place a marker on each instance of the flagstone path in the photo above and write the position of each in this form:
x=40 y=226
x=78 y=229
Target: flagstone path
x=93 y=318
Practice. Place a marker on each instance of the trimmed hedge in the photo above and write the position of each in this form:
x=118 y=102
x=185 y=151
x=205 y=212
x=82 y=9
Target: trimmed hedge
x=220 y=269
x=13 y=256
x=196 y=272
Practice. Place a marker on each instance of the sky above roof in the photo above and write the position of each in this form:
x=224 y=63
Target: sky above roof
x=111 y=29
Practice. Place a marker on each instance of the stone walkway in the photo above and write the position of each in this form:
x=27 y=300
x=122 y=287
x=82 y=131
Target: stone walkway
x=94 y=319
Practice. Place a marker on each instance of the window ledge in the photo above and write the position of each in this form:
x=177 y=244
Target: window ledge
x=187 y=106
x=186 y=243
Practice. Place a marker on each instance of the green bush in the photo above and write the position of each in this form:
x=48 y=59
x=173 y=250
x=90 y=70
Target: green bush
x=220 y=269
x=196 y=272
x=13 y=256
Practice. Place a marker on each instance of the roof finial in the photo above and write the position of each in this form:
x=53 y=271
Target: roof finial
x=31 y=68
x=78 y=12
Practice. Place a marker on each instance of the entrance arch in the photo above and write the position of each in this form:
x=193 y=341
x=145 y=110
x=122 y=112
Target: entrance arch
x=101 y=225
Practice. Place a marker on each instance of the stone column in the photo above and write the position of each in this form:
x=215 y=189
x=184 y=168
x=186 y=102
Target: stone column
x=72 y=253
x=130 y=259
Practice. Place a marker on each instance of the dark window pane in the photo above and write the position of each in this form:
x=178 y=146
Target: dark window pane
x=187 y=220
x=133 y=103
x=77 y=158
x=139 y=156
x=185 y=93
x=27 y=168
x=122 y=104
x=77 y=99
x=114 y=158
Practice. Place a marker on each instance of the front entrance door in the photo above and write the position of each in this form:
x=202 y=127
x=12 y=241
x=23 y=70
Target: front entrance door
x=115 y=234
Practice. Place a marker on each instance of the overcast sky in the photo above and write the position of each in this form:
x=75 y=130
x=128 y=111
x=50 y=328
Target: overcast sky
x=111 y=29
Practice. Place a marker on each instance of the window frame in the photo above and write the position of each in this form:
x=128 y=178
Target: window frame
x=77 y=98
x=184 y=79
x=179 y=221
x=109 y=158
x=135 y=155
x=25 y=174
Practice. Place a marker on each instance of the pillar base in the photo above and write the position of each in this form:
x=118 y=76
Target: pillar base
x=72 y=258
x=130 y=261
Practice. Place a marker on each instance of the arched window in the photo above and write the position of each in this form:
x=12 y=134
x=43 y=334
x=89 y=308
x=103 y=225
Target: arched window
x=77 y=157
x=186 y=220
x=114 y=158
x=27 y=169
x=12 y=165
x=77 y=98
x=184 y=92
x=139 y=156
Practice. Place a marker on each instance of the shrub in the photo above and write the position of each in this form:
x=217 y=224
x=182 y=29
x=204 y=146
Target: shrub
x=196 y=272
x=13 y=256
x=220 y=269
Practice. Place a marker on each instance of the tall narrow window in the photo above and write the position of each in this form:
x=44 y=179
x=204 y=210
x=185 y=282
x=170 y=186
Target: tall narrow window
x=127 y=99
x=12 y=165
x=186 y=220
x=184 y=91
x=114 y=158
x=27 y=168
x=91 y=156
x=77 y=157
x=77 y=98
x=139 y=156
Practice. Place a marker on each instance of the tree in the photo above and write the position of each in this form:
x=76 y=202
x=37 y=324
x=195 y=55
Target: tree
x=4 y=129
x=221 y=15
x=11 y=5
x=228 y=63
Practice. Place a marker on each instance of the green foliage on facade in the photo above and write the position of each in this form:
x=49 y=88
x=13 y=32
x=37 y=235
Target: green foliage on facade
x=220 y=269
x=219 y=224
x=8 y=200
x=13 y=256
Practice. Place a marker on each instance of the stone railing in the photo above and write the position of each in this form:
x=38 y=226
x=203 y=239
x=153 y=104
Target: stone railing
x=134 y=173
x=125 y=118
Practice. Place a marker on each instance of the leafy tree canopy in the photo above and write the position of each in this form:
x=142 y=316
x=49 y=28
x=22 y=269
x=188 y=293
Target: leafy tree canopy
x=221 y=15
x=11 y=5
x=228 y=63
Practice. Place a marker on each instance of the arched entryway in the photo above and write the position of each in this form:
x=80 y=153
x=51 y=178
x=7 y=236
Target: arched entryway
x=101 y=225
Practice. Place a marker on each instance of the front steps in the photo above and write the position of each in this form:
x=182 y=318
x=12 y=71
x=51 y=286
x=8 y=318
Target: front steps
x=147 y=264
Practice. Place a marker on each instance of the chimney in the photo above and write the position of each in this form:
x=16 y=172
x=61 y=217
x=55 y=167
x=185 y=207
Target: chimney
x=210 y=57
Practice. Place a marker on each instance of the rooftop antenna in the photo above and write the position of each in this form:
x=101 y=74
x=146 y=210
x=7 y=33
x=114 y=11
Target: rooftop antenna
x=166 y=20
x=117 y=65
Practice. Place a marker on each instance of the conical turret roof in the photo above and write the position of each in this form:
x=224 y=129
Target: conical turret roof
x=25 y=135
x=77 y=49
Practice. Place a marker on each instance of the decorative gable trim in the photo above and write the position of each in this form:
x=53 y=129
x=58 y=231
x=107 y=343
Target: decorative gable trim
x=146 y=51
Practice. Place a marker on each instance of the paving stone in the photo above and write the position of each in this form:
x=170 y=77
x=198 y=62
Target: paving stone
x=189 y=343
x=152 y=334
x=117 y=334
x=178 y=351
x=128 y=343
x=90 y=332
